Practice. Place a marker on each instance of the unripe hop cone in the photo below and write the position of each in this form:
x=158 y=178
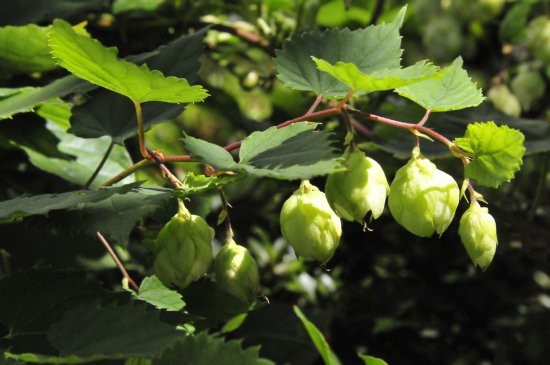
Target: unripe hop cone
x=422 y=198
x=309 y=224
x=237 y=272
x=361 y=189
x=183 y=249
x=478 y=232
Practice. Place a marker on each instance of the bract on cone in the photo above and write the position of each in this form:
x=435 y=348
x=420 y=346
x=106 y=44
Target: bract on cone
x=361 y=189
x=183 y=249
x=422 y=198
x=478 y=232
x=237 y=272
x=309 y=224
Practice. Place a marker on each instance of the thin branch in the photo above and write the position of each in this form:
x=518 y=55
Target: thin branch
x=226 y=206
x=165 y=170
x=315 y=104
x=100 y=166
x=253 y=39
x=117 y=261
x=425 y=117
x=126 y=172
x=361 y=129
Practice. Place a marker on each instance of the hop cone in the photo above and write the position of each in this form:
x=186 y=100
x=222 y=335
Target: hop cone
x=478 y=233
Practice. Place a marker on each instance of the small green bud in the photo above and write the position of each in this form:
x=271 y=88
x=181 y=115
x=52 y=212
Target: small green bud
x=183 y=249
x=309 y=224
x=237 y=272
x=361 y=189
x=478 y=232
x=422 y=198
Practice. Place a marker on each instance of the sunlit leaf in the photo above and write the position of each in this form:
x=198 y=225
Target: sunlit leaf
x=497 y=152
x=90 y=60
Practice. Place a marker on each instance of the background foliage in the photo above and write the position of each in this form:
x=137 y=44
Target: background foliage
x=385 y=293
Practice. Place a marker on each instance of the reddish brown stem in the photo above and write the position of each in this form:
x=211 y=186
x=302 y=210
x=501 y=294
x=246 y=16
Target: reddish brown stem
x=117 y=261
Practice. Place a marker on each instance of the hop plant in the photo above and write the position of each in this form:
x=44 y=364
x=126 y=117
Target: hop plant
x=309 y=224
x=237 y=272
x=478 y=233
x=183 y=249
x=422 y=198
x=361 y=189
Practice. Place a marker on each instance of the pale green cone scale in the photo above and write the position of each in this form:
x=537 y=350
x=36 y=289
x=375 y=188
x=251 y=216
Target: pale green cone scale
x=309 y=224
x=237 y=272
x=183 y=249
x=362 y=188
x=478 y=233
x=422 y=198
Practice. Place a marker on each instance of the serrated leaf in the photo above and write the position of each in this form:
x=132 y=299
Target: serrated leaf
x=25 y=206
x=370 y=49
x=290 y=153
x=453 y=91
x=109 y=113
x=386 y=79
x=153 y=291
x=90 y=60
x=112 y=331
x=211 y=153
x=371 y=360
x=203 y=349
x=318 y=339
x=25 y=49
x=198 y=184
x=497 y=150
x=33 y=300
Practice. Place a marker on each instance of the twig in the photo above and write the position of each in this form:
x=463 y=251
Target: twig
x=425 y=117
x=315 y=104
x=226 y=206
x=253 y=39
x=100 y=166
x=126 y=172
x=165 y=170
x=361 y=129
x=117 y=261
x=141 y=130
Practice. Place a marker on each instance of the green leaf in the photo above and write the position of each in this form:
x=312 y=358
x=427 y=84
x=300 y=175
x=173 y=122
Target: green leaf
x=112 y=331
x=318 y=339
x=88 y=59
x=42 y=204
x=25 y=49
x=109 y=113
x=122 y=6
x=203 y=349
x=497 y=150
x=292 y=152
x=453 y=91
x=152 y=291
x=371 y=360
x=85 y=157
x=33 y=300
x=386 y=79
x=198 y=184
x=211 y=153
x=47 y=359
x=373 y=48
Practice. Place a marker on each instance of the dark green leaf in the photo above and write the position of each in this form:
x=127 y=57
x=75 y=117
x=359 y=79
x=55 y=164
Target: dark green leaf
x=23 y=12
x=370 y=49
x=210 y=153
x=25 y=206
x=206 y=350
x=112 y=331
x=198 y=184
x=154 y=292
x=293 y=152
x=371 y=360
x=318 y=339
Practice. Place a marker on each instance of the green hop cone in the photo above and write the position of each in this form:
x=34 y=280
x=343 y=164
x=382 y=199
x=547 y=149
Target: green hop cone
x=478 y=232
x=361 y=189
x=183 y=249
x=309 y=224
x=237 y=272
x=422 y=198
